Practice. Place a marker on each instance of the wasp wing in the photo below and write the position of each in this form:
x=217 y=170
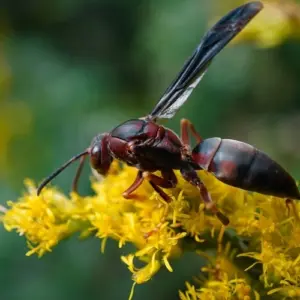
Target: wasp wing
x=195 y=67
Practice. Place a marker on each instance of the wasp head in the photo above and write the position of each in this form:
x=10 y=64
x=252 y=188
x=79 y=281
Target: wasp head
x=100 y=157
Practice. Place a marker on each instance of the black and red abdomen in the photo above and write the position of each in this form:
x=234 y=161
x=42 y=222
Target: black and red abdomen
x=243 y=166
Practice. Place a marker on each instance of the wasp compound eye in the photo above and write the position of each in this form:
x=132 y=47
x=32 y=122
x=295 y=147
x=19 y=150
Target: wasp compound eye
x=99 y=154
x=96 y=156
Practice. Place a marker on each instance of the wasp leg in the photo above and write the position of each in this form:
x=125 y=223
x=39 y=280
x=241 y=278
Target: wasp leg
x=160 y=192
x=167 y=199
x=78 y=173
x=185 y=126
x=167 y=181
x=290 y=204
x=190 y=175
x=137 y=182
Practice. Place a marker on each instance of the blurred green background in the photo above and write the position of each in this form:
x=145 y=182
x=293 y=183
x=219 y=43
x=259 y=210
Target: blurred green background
x=71 y=69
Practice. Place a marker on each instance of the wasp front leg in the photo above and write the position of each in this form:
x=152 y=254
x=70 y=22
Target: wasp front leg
x=78 y=173
x=137 y=182
x=168 y=180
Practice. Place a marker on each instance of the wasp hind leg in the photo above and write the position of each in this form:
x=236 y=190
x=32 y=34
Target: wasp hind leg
x=185 y=126
x=190 y=175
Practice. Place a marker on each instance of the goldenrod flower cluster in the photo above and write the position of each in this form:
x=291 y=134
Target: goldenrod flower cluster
x=258 y=253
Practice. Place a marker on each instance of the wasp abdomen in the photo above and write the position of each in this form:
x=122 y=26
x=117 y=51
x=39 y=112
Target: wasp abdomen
x=232 y=161
x=242 y=165
x=268 y=177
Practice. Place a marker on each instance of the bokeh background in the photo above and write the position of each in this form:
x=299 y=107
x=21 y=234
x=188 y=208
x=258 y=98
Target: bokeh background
x=72 y=69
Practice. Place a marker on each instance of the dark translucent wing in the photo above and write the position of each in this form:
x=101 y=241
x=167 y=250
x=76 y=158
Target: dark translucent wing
x=194 y=69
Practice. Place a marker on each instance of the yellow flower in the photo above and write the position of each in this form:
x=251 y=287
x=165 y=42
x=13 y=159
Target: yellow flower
x=223 y=281
x=40 y=219
x=236 y=289
x=262 y=231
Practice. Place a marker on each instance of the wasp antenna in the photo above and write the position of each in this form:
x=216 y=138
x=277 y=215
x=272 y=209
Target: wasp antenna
x=59 y=170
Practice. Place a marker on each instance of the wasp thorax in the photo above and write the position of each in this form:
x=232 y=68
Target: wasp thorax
x=99 y=155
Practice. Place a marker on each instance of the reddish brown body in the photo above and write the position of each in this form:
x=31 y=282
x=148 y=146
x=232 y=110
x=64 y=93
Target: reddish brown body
x=150 y=147
x=146 y=145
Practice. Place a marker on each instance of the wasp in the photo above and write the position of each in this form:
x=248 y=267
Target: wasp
x=150 y=147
